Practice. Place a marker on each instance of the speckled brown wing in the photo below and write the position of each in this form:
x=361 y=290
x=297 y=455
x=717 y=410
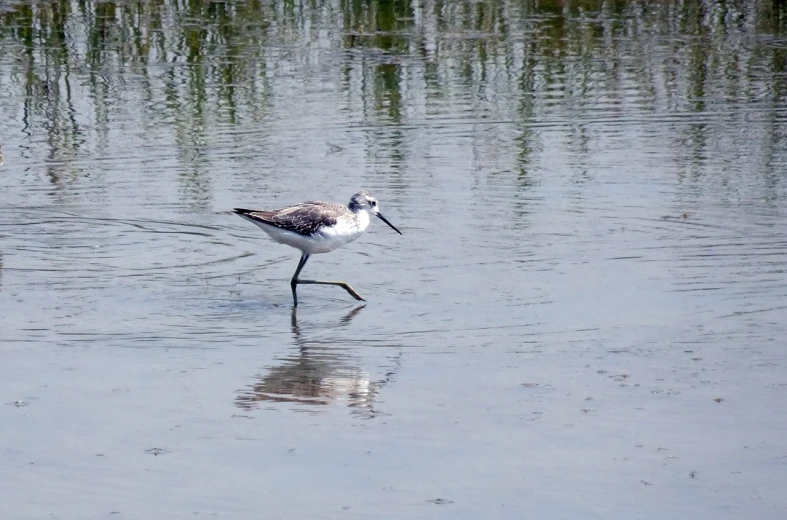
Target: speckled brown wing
x=305 y=219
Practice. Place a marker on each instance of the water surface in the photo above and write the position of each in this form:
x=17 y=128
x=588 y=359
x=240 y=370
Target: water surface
x=584 y=317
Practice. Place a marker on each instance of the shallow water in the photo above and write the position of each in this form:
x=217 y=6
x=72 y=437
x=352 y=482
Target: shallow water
x=583 y=318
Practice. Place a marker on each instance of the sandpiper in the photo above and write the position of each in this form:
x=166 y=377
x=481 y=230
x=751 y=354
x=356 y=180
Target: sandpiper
x=317 y=227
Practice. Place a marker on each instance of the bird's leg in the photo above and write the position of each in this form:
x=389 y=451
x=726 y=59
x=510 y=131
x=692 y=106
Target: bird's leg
x=295 y=281
x=343 y=285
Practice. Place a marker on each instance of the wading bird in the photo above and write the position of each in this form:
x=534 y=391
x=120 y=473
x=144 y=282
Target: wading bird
x=317 y=227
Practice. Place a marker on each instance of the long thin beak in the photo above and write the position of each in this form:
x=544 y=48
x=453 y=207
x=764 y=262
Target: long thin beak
x=386 y=221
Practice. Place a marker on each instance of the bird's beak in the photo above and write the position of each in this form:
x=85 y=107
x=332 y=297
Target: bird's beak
x=386 y=221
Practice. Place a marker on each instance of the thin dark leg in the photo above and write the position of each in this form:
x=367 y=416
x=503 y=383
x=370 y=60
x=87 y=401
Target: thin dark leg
x=295 y=281
x=343 y=285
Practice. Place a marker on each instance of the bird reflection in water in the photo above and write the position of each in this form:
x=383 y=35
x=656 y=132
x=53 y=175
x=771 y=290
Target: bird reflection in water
x=320 y=373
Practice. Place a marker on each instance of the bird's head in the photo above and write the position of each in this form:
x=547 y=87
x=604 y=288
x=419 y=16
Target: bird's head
x=364 y=201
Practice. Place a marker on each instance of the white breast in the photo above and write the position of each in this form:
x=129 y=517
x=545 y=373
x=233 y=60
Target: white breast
x=344 y=232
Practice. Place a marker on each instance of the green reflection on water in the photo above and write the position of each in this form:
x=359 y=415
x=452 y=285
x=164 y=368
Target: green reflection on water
x=191 y=64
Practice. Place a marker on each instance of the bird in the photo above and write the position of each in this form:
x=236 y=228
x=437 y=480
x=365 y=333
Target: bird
x=317 y=227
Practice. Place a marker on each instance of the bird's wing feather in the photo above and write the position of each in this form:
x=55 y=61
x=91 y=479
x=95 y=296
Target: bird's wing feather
x=305 y=219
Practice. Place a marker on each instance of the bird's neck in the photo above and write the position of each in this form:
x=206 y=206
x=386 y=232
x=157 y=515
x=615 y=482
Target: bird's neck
x=362 y=217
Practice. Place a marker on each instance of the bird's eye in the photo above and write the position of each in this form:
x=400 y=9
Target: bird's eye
x=374 y=203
